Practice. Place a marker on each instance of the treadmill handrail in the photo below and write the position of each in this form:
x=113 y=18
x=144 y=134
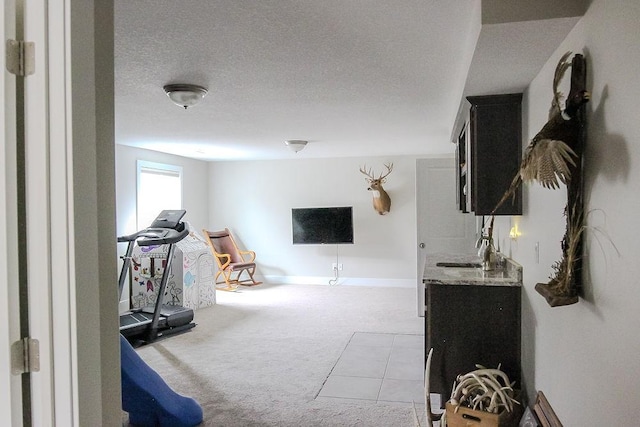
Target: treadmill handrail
x=157 y=236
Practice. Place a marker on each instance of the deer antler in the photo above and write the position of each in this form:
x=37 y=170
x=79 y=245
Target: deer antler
x=367 y=173
x=389 y=167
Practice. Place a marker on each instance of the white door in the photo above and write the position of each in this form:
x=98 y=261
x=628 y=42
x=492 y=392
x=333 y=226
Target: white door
x=10 y=384
x=442 y=228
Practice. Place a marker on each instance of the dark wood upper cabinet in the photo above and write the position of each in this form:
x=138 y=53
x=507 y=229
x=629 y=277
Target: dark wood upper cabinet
x=491 y=143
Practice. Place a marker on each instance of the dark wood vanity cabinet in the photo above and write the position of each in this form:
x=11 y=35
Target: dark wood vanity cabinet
x=489 y=151
x=468 y=325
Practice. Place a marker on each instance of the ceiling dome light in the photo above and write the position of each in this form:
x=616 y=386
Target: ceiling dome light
x=185 y=95
x=295 y=145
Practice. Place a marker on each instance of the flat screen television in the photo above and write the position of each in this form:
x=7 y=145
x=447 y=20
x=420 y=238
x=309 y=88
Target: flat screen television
x=322 y=226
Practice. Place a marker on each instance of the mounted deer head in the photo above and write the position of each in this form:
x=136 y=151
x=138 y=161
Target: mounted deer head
x=381 y=200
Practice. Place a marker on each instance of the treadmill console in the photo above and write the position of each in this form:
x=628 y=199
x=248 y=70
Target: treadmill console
x=168 y=219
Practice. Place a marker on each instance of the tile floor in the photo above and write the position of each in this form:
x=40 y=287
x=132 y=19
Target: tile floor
x=379 y=368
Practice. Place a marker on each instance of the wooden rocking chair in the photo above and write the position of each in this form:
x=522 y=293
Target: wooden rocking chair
x=232 y=262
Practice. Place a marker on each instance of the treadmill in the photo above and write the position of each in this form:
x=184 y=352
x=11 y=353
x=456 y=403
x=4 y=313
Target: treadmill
x=146 y=325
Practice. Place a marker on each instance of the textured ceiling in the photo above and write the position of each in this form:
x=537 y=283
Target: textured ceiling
x=355 y=78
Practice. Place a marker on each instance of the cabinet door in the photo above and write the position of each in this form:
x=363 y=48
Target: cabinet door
x=496 y=147
x=469 y=325
x=463 y=167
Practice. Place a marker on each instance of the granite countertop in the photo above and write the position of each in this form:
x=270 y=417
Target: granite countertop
x=510 y=275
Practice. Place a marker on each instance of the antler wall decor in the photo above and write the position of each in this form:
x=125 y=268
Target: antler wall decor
x=381 y=200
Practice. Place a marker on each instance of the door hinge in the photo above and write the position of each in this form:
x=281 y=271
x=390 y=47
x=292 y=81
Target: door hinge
x=25 y=356
x=20 y=57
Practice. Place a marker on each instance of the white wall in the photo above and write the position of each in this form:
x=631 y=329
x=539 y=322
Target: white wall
x=195 y=186
x=585 y=356
x=254 y=200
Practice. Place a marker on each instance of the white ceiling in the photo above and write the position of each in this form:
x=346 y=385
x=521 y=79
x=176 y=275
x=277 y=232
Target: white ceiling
x=353 y=77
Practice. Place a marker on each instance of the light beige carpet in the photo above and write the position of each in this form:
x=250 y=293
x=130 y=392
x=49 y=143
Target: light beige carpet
x=261 y=355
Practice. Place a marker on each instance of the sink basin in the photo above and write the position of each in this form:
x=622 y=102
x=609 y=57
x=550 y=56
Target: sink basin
x=458 y=264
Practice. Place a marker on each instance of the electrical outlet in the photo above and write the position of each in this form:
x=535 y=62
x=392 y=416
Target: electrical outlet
x=334 y=266
x=339 y=266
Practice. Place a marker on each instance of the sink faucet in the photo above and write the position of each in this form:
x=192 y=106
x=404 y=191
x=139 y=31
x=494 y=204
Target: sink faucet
x=487 y=250
x=487 y=253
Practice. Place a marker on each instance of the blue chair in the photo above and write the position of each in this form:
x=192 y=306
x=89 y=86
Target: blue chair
x=149 y=401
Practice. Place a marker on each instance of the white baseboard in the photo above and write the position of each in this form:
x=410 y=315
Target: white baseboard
x=342 y=281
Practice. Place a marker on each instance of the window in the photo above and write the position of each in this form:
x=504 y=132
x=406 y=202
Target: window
x=159 y=188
